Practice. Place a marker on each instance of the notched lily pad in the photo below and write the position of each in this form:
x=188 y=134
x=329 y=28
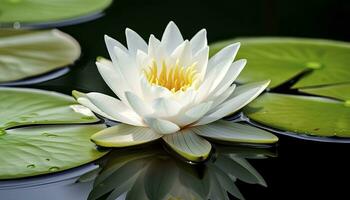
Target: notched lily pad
x=53 y=11
x=46 y=149
x=25 y=54
x=19 y=106
x=281 y=59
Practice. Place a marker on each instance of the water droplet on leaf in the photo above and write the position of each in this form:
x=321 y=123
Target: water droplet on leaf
x=31 y=166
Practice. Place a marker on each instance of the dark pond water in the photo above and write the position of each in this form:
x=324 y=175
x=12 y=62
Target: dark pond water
x=295 y=169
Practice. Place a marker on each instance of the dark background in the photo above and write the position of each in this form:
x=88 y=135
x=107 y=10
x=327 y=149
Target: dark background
x=303 y=169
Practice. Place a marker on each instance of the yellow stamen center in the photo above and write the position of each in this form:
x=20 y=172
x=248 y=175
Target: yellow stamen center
x=175 y=78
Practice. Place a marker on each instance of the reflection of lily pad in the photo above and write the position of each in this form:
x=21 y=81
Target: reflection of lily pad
x=38 y=150
x=30 y=106
x=315 y=67
x=34 y=11
x=25 y=54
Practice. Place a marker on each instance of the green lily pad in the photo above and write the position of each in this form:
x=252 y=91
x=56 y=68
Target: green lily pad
x=46 y=149
x=319 y=68
x=19 y=106
x=34 y=11
x=301 y=114
x=281 y=59
x=26 y=54
x=337 y=91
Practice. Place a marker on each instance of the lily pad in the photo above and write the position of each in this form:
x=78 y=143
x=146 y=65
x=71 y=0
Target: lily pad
x=281 y=59
x=19 y=106
x=314 y=76
x=34 y=11
x=301 y=114
x=46 y=149
x=25 y=54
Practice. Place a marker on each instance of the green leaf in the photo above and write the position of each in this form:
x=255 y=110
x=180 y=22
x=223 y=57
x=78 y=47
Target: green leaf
x=188 y=145
x=19 y=106
x=301 y=114
x=123 y=135
x=34 y=11
x=38 y=150
x=29 y=53
x=281 y=59
x=338 y=91
x=234 y=132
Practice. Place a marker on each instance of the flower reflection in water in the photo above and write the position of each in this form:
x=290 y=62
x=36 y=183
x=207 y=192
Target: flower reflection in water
x=153 y=174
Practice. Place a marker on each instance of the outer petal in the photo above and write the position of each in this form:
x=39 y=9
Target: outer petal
x=123 y=135
x=187 y=144
x=235 y=132
x=111 y=76
x=111 y=43
x=199 y=41
x=135 y=42
x=83 y=100
x=171 y=37
x=115 y=108
x=239 y=99
x=161 y=126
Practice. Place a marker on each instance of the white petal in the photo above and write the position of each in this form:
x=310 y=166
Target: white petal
x=111 y=76
x=199 y=41
x=239 y=99
x=165 y=107
x=129 y=69
x=235 y=132
x=182 y=54
x=115 y=108
x=187 y=144
x=151 y=92
x=161 y=126
x=223 y=96
x=143 y=60
x=171 y=37
x=140 y=107
x=135 y=42
x=231 y=75
x=87 y=103
x=123 y=135
x=204 y=88
x=111 y=43
x=201 y=58
x=229 y=52
x=193 y=114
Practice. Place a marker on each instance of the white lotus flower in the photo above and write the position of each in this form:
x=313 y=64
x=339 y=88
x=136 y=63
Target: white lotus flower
x=170 y=89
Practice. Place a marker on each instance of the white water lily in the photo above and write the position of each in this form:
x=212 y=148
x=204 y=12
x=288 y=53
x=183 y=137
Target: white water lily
x=170 y=89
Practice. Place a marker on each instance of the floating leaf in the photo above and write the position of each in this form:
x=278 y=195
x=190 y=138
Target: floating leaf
x=338 y=91
x=281 y=59
x=46 y=149
x=301 y=114
x=19 y=106
x=26 y=54
x=34 y=11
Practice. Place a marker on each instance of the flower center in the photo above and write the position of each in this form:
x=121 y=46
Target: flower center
x=175 y=78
